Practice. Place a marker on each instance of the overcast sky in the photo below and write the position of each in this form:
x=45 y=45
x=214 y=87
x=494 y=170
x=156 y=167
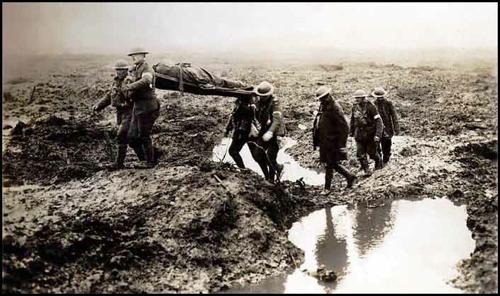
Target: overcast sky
x=162 y=27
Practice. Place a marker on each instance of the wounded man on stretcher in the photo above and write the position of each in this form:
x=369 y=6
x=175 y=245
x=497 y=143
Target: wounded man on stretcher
x=187 y=78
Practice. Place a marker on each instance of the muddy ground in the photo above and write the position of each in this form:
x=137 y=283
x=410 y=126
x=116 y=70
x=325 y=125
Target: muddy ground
x=193 y=225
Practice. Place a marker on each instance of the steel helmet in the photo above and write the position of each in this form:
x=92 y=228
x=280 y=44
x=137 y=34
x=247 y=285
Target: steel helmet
x=264 y=89
x=379 y=92
x=137 y=50
x=121 y=65
x=360 y=94
x=322 y=91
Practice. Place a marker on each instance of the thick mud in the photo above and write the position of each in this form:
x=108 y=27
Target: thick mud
x=196 y=225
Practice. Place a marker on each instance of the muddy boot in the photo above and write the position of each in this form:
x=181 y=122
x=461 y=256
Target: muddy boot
x=349 y=177
x=138 y=149
x=367 y=171
x=273 y=175
x=378 y=164
x=386 y=158
x=279 y=172
x=350 y=181
x=265 y=170
x=237 y=159
x=365 y=167
x=120 y=158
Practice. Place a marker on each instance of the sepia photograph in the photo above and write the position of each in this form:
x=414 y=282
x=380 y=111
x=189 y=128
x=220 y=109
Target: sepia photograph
x=226 y=147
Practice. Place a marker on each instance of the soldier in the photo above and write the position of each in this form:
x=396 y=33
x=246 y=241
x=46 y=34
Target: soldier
x=366 y=128
x=146 y=106
x=389 y=118
x=330 y=132
x=265 y=146
x=240 y=122
x=123 y=113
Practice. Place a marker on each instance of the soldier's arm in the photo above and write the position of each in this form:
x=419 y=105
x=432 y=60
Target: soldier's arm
x=230 y=122
x=145 y=81
x=104 y=102
x=351 y=124
x=394 y=116
x=378 y=120
x=277 y=115
x=229 y=125
x=338 y=116
x=316 y=131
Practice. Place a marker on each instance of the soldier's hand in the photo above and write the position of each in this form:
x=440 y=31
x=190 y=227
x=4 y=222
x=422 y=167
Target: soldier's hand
x=95 y=109
x=376 y=139
x=267 y=136
x=124 y=88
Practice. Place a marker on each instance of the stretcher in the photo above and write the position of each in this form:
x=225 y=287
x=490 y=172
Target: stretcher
x=196 y=80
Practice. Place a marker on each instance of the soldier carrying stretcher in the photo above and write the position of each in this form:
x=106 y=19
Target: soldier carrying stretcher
x=123 y=106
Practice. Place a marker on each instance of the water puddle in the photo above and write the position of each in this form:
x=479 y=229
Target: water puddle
x=401 y=247
x=292 y=171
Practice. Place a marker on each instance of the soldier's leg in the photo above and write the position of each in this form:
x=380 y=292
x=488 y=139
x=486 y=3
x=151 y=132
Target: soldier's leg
x=374 y=153
x=259 y=155
x=234 y=150
x=133 y=138
x=121 y=138
x=272 y=154
x=145 y=126
x=231 y=83
x=386 y=148
x=328 y=176
x=361 y=155
x=345 y=173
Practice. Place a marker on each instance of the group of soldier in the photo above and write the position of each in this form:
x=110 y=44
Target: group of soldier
x=372 y=125
x=257 y=120
x=137 y=108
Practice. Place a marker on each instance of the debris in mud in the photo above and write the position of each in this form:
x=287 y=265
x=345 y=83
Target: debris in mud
x=323 y=274
x=409 y=151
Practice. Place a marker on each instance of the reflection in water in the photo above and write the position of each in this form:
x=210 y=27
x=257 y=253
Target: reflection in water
x=331 y=250
x=406 y=246
x=371 y=226
x=403 y=246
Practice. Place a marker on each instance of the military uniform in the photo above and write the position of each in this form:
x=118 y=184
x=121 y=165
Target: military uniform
x=240 y=122
x=391 y=125
x=331 y=129
x=365 y=125
x=123 y=117
x=146 y=108
x=270 y=118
